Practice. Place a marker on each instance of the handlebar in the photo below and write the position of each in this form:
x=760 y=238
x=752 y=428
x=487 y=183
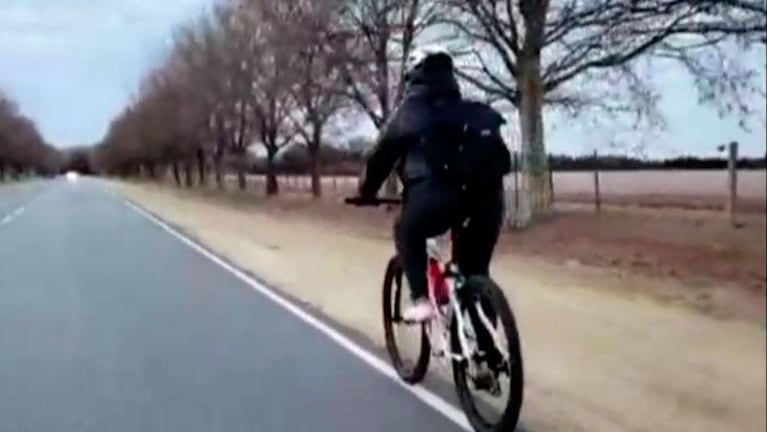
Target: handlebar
x=359 y=202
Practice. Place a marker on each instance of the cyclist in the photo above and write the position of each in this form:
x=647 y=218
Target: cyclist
x=416 y=141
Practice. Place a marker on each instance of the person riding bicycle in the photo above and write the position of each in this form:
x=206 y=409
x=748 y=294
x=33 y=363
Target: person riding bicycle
x=419 y=140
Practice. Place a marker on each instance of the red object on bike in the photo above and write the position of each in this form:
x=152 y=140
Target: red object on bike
x=438 y=284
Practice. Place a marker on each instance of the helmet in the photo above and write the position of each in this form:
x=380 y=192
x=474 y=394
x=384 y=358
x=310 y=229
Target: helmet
x=418 y=56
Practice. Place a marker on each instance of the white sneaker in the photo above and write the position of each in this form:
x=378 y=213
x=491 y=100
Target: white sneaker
x=421 y=310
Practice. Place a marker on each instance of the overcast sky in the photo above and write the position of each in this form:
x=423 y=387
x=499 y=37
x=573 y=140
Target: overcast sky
x=73 y=64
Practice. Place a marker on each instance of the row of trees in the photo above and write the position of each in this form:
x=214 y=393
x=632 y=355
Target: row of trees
x=344 y=161
x=605 y=163
x=274 y=73
x=22 y=148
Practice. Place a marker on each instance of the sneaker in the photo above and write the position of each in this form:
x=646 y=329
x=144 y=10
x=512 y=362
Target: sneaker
x=421 y=310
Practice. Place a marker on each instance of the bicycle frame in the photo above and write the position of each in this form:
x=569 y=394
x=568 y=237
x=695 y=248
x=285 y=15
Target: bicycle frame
x=439 y=251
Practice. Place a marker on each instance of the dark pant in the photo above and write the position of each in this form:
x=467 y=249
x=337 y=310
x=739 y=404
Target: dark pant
x=430 y=209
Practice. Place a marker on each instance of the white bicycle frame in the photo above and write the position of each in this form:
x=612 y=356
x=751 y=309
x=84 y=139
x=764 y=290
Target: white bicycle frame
x=440 y=249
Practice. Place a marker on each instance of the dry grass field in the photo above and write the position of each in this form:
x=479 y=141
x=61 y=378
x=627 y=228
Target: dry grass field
x=697 y=248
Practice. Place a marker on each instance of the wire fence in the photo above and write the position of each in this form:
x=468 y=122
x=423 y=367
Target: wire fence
x=729 y=190
x=682 y=189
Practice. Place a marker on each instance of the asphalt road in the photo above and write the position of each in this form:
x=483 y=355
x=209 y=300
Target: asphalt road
x=109 y=323
x=14 y=195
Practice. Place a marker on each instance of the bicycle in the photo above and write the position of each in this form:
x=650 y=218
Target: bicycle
x=452 y=338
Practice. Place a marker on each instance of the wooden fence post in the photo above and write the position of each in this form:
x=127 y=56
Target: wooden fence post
x=551 y=180
x=597 y=195
x=732 y=171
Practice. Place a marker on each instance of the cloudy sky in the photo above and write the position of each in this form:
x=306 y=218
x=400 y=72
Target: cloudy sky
x=73 y=64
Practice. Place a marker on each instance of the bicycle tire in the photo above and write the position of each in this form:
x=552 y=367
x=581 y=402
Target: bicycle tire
x=392 y=290
x=488 y=289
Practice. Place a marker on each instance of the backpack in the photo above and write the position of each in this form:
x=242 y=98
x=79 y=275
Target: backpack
x=463 y=144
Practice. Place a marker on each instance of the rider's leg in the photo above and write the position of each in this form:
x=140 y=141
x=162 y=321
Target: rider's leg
x=428 y=210
x=475 y=242
x=474 y=245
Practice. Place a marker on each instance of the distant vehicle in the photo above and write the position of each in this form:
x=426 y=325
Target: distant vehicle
x=72 y=175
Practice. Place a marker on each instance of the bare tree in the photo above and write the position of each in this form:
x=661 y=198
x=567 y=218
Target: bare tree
x=239 y=36
x=160 y=127
x=8 y=112
x=167 y=122
x=535 y=52
x=22 y=148
x=261 y=29
x=200 y=49
x=198 y=96
x=375 y=62
x=316 y=74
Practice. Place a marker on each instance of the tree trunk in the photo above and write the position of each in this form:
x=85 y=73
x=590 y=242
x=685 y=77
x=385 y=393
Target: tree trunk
x=2 y=170
x=188 y=173
x=272 y=187
x=242 y=181
x=218 y=161
x=316 y=178
x=391 y=187
x=314 y=153
x=150 y=170
x=201 y=166
x=176 y=174
x=534 y=166
x=219 y=171
x=242 y=167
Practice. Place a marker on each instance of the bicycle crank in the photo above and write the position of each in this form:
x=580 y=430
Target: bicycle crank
x=486 y=380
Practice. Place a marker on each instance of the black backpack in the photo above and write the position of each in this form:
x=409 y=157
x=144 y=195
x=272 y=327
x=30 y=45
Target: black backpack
x=463 y=144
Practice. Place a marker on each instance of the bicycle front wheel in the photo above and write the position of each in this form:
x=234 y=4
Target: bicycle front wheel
x=490 y=413
x=411 y=369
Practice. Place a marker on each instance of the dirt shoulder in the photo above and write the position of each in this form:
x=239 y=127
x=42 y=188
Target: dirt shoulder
x=599 y=356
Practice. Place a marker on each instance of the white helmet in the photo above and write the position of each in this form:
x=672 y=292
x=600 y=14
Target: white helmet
x=418 y=55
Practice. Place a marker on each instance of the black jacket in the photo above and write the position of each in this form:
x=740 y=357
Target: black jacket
x=398 y=142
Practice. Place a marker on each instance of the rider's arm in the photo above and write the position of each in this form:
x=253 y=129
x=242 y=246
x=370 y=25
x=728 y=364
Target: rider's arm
x=390 y=146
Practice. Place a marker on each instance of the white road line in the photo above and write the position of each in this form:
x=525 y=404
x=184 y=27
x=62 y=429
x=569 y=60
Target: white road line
x=433 y=400
x=12 y=215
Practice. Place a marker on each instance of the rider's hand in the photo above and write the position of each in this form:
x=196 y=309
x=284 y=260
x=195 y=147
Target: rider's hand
x=367 y=199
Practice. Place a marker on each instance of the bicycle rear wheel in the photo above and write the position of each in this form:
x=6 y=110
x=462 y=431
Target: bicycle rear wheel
x=410 y=371
x=497 y=309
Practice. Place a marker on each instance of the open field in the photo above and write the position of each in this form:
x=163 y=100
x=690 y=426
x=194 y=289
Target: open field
x=659 y=188
x=693 y=245
x=751 y=183
x=609 y=344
